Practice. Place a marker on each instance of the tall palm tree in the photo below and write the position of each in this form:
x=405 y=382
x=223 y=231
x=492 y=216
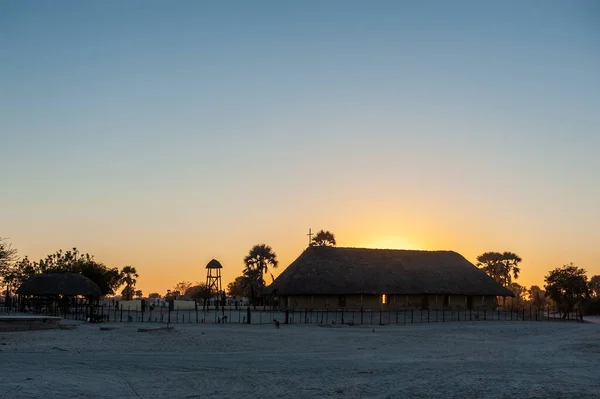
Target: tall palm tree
x=260 y=260
x=510 y=266
x=323 y=239
x=129 y=276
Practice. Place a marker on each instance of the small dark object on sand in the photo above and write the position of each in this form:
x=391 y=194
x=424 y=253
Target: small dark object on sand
x=60 y=349
x=276 y=323
x=159 y=329
x=68 y=326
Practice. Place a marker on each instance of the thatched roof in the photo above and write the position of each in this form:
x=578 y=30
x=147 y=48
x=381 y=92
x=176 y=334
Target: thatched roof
x=345 y=271
x=59 y=284
x=214 y=264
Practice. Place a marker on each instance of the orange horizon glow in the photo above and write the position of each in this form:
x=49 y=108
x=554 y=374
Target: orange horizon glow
x=161 y=270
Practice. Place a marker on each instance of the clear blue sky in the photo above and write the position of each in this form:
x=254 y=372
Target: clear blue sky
x=161 y=134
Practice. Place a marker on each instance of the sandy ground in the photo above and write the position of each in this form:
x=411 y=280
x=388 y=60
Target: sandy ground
x=451 y=360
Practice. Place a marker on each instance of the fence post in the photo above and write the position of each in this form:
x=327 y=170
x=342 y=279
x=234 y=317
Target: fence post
x=443 y=314
x=484 y=315
x=361 y=315
x=412 y=314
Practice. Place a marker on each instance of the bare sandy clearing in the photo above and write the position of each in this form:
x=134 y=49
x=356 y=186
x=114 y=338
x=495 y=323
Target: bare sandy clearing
x=476 y=360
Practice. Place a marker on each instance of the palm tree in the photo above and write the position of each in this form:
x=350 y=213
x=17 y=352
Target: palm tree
x=129 y=276
x=502 y=267
x=260 y=260
x=510 y=265
x=323 y=239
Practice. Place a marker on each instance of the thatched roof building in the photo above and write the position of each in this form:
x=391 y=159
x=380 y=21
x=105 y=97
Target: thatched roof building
x=331 y=271
x=67 y=284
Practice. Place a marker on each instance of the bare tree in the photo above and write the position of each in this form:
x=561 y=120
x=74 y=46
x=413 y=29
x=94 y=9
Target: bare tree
x=183 y=287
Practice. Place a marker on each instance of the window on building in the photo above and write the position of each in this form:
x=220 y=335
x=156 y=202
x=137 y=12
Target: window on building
x=384 y=299
x=342 y=301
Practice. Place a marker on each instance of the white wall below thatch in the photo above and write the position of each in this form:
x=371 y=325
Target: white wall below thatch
x=392 y=302
x=183 y=305
x=135 y=304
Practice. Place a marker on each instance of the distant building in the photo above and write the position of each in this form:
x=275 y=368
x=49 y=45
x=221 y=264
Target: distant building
x=354 y=278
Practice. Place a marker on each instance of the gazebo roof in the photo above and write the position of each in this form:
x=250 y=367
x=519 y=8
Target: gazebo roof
x=214 y=264
x=59 y=284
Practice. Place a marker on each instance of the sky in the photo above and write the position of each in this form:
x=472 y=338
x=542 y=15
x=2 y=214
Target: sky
x=164 y=134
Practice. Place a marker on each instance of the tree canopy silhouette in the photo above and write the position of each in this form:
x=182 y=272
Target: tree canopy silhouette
x=71 y=261
x=567 y=286
x=323 y=239
x=502 y=267
x=238 y=287
x=595 y=286
x=7 y=258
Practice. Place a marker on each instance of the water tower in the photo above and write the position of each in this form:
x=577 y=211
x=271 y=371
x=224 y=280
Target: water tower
x=213 y=282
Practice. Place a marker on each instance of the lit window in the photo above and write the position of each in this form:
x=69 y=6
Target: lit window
x=384 y=299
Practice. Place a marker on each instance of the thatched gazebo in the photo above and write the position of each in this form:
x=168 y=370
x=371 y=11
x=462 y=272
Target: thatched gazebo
x=49 y=291
x=331 y=277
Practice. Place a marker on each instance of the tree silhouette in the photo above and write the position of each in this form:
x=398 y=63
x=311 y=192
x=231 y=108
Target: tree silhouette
x=595 y=286
x=129 y=277
x=260 y=260
x=502 y=267
x=490 y=263
x=7 y=258
x=183 y=287
x=238 y=286
x=153 y=295
x=519 y=291
x=198 y=292
x=537 y=296
x=71 y=261
x=323 y=239
x=567 y=286
x=510 y=267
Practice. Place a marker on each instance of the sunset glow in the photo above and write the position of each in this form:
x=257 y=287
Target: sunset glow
x=163 y=136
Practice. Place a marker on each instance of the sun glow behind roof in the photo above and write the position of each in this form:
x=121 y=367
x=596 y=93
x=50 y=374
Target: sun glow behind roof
x=391 y=242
